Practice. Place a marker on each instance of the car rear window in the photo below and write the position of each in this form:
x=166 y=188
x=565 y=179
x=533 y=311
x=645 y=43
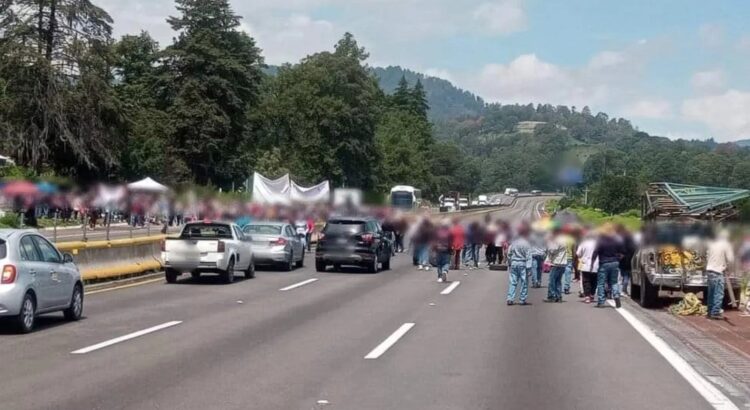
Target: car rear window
x=344 y=227
x=3 y=249
x=263 y=229
x=207 y=231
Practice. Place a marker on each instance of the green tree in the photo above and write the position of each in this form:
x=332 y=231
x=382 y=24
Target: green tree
x=419 y=100
x=322 y=114
x=403 y=139
x=59 y=109
x=215 y=75
x=615 y=194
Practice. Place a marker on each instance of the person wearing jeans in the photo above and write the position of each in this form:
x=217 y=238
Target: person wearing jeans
x=609 y=250
x=442 y=246
x=537 y=267
x=608 y=274
x=719 y=256
x=520 y=263
x=557 y=252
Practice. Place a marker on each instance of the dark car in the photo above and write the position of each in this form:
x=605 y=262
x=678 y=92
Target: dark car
x=353 y=241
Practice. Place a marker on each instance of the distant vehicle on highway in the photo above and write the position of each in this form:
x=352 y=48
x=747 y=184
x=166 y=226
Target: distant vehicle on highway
x=208 y=247
x=511 y=191
x=275 y=243
x=36 y=278
x=475 y=202
x=536 y=192
x=405 y=197
x=449 y=204
x=463 y=202
x=353 y=241
x=482 y=200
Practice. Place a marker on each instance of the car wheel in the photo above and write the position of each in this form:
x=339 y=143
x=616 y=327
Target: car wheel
x=387 y=264
x=320 y=266
x=635 y=290
x=75 y=310
x=250 y=272
x=301 y=261
x=289 y=264
x=374 y=266
x=649 y=293
x=27 y=317
x=228 y=275
x=171 y=275
x=195 y=275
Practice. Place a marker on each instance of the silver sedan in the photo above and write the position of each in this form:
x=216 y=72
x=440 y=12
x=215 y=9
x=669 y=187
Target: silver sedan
x=275 y=243
x=36 y=278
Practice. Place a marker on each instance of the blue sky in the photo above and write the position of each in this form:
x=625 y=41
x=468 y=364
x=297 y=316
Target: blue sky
x=679 y=68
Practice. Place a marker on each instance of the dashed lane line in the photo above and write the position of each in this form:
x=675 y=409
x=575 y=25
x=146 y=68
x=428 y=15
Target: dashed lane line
x=389 y=342
x=296 y=285
x=124 y=338
x=451 y=288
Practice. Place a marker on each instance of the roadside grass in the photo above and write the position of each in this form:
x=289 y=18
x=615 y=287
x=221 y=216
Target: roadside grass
x=630 y=219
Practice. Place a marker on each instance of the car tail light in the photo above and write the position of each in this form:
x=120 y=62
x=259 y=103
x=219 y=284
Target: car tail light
x=9 y=274
x=222 y=247
x=368 y=238
x=280 y=241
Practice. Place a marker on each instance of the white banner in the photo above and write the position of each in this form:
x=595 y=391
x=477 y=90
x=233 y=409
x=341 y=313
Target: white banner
x=285 y=191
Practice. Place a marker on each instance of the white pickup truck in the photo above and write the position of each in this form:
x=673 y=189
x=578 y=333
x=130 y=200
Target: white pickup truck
x=208 y=247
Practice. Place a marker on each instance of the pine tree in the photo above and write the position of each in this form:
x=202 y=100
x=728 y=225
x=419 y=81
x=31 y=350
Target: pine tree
x=402 y=96
x=215 y=74
x=419 y=99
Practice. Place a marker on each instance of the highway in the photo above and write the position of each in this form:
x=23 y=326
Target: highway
x=339 y=340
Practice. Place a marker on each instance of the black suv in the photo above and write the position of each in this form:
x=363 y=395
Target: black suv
x=353 y=241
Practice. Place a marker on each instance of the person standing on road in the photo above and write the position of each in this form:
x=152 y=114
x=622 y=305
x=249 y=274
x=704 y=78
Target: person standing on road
x=589 y=268
x=557 y=252
x=477 y=239
x=720 y=257
x=570 y=244
x=310 y=229
x=538 y=252
x=443 y=245
x=490 y=252
x=422 y=244
x=519 y=266
x=457 y=246
x=609 y=250
x=627 y=259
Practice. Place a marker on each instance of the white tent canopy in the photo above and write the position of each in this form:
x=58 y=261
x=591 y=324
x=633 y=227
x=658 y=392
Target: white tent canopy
x=147 y=185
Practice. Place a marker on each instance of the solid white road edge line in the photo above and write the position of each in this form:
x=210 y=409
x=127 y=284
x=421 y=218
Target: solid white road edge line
x=130 y=285
x=449 y=289
x=296 y=285
x=126 y=337
x=390 y=341
x=713 y=396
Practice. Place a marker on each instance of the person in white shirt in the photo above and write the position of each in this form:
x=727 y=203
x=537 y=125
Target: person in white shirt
x=720 y=257
x=589 y=269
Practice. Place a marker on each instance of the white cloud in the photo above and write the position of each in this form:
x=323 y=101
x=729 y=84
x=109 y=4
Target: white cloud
x=438 y=73
x=607 y=59
x=708 y=81
x=501 y=16
x=649 y=109
x=292 y=38
x=529 y=79
x=711 y=34
x=725 y=114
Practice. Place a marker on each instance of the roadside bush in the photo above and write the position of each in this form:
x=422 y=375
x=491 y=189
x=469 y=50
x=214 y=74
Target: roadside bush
x=9 y=220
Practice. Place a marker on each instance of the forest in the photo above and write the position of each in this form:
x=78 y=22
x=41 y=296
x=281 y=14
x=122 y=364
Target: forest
x=79 y=104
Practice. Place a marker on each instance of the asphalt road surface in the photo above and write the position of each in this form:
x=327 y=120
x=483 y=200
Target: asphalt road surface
x=251 y=345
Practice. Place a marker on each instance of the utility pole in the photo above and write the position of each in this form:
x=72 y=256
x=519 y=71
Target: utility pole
x=586 y=196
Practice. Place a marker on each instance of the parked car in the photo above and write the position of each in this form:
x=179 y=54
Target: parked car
x=36 y=278
x=208 y=247
x=275 y=243
x=353 y=241
x=536 y=192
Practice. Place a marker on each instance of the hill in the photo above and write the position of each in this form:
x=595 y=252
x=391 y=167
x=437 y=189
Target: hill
x=446 y=100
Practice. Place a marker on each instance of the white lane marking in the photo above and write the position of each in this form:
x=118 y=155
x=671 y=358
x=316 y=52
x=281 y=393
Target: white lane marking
x=296 y=285
x=449 y=289
x=713 y=396
x=130 y=285
x=126 y=337
x=390 y=341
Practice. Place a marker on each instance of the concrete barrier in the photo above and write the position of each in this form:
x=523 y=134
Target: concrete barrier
x=100 y=260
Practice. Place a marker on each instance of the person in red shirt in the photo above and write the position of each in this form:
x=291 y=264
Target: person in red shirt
x=310 y=228
x=458 y=238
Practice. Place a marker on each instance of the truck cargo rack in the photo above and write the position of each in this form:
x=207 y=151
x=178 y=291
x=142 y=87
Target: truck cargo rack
x=664 y=200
